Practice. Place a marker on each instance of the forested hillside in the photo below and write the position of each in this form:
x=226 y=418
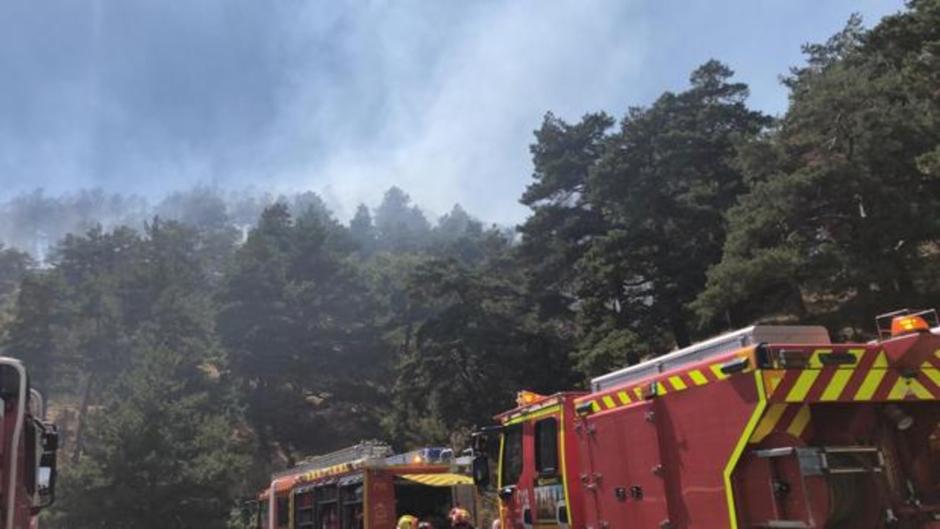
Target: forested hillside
x=193 y=346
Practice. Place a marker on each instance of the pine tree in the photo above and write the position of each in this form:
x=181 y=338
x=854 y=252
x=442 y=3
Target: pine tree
x=33 y=332
x=298 y=321
x=14 y=264
x=836 y=227
x=401 y=227
x=362 y=231
x=663 y=184
x=162 y=453
x=474 y=348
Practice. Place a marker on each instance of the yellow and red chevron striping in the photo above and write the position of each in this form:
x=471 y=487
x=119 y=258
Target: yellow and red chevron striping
x=869 y=378
x=667 y=384
x=780 y=417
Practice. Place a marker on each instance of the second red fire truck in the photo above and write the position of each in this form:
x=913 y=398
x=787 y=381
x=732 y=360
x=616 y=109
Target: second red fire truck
x=366 y=486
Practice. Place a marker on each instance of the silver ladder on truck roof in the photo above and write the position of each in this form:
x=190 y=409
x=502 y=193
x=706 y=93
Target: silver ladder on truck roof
x=364 y=451
x=785 y=334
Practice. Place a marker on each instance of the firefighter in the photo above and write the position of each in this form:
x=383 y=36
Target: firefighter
x=460 y=518
x=407 y=521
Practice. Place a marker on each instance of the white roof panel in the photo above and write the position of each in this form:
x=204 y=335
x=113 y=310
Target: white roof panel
x=757 y=334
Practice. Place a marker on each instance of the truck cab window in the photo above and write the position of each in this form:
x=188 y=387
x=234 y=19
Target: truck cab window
x=512 y=456
x=283 y=511
x=546 y=447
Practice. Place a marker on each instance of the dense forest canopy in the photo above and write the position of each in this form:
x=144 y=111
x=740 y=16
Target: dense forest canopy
x=193 y=345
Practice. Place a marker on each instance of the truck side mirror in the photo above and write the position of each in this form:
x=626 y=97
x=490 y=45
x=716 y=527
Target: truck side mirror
x=50 y=440
x=480 y=442
x=47 y=472
x=507 y=493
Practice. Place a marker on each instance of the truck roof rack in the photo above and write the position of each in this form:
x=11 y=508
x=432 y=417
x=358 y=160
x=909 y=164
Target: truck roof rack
x=429 y=454
x=756 y=334
x=364 y=451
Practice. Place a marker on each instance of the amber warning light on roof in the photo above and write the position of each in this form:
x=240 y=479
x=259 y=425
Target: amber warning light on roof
x=528 y=398
x=908 y=324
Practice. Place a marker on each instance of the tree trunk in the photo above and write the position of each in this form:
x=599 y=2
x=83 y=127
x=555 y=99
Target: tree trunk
x=680 y=331
x=82 y=417
x=904 y=284
x=799 y=303
x=680 y=328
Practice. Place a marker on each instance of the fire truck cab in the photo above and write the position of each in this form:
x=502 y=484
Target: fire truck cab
x=537 y=460
x=765 y=427
x=367 y=487
x=28 y=447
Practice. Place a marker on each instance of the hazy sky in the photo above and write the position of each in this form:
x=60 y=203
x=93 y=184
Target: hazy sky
x=349 y=97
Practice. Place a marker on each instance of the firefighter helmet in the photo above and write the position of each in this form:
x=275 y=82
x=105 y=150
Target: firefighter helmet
x=459 y=517
x=407 y=521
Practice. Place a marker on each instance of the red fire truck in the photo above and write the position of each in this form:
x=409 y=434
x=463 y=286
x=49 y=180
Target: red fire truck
x=28 y=447
x=766 y=427
x=366 y=487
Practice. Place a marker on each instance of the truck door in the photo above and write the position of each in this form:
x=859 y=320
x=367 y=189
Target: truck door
x=623 y=484
x=512 y=492
x=549 y=508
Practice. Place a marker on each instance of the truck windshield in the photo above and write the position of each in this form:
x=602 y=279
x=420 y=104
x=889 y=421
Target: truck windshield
x=546 y=447
x=283 y=511
x=512 y=456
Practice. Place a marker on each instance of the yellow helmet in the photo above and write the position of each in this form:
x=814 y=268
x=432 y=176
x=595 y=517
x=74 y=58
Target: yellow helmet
x=407 y=521
x=459 y=516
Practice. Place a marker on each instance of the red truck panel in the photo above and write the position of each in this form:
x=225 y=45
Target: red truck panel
x=662 y=461
x=623 y=487
x=380 y=499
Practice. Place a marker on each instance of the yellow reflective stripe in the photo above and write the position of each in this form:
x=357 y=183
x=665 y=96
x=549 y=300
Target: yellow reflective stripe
x=898 y=391
x=564 y=464
x=920 y=391
x=803 y=385
x=773 y=379
x=858 y=354
x=677 y=383
x=873 y=379
x=904 y=386
x=624 y=397
x=814 y=362
x=698 y=377
x=837 y=384
x=537 y=414
x=932 y=373
x=438 y=480
x=881 y=361
x=769 y=422
x=798 y=425
x=759 y=408
x=660 y=388
x=716 y=370
x=499 y=467
x=595 y=407
x=609 y=402
x=638 y=391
